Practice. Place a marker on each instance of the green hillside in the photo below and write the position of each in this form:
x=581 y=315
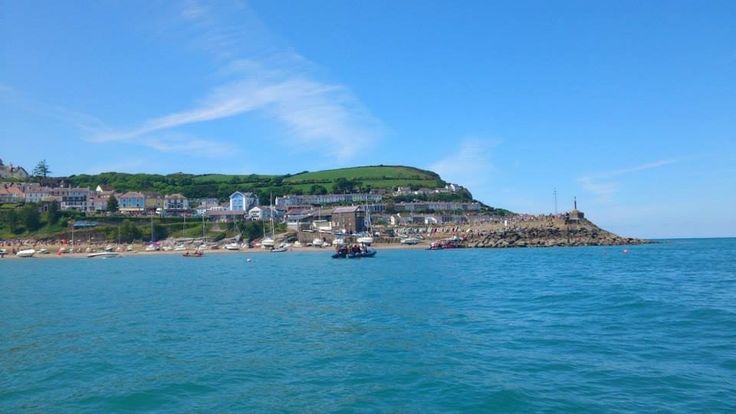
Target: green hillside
x=382 y=176
x=222 y=185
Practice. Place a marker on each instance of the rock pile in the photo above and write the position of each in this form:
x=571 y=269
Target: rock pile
x=558 y=233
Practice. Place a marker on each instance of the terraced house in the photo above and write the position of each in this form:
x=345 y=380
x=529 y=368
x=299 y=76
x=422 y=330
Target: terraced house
x=176 y=203
x=132 y=203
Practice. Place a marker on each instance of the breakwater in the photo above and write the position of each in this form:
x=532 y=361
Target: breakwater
x=544 y=233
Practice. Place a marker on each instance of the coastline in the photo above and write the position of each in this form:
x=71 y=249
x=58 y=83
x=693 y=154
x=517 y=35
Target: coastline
x=139 y=251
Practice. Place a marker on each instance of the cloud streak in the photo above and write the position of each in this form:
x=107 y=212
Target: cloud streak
x=470 y=164
x=311 y=111
x=281 y=88
x=602 y=184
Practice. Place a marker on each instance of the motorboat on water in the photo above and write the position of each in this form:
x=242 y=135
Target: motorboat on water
x=26 y=253
x=451 y=243
x=104 y=255
x=354 y=252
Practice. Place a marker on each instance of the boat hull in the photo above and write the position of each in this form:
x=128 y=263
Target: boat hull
x=26 y=253
x=104 y=255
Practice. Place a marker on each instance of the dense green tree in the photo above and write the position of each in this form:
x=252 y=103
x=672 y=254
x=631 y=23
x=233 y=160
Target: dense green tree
x=343 y=185
x=112 y=204
x=41 y=170
x=317 y=189
x=52 y=213
x=129 y=232
x=30 y=217
x=253 y=230
x=10 y=219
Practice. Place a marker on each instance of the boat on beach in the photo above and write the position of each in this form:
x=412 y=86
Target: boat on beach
x=104 y=255
x=26 y=253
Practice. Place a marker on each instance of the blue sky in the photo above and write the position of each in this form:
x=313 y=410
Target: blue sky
x=629 y=106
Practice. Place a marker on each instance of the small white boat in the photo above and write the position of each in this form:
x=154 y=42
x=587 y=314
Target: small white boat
x=367 y=240
x=103 y=255
x=180 y=247
x=410 y=241
x=232 y=246
x=267 y=243
x=26 y=253
x=152 y=248
x=43 y=251
x=318 y=242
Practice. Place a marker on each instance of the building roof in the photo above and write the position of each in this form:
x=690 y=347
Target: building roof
x=176 y=196
x=225 y=213
x=132 y=194
x=349 y=209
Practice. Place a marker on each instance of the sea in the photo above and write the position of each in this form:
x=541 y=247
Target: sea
x=644 y=329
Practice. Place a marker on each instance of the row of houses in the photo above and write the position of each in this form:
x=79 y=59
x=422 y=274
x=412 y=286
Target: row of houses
x=299 y=212
x=373 y=197
x=91 y=201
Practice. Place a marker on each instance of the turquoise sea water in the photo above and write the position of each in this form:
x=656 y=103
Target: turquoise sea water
x=521 y=330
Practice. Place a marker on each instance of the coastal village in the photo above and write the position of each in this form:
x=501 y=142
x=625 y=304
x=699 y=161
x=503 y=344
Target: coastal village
x=304 y=220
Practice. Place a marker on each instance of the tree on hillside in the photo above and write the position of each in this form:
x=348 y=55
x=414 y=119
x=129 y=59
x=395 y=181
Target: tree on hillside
x=30 y=217
x=343 y=185
x=112 y=204
x=42 y=169
x=10 y=219
x=129 y=232
x=52 y=213
x=317 y=189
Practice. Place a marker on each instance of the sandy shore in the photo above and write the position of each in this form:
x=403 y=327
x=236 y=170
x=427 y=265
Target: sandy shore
x=139 y=251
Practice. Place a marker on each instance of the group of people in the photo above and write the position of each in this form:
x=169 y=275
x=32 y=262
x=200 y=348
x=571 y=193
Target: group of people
x=355 y=249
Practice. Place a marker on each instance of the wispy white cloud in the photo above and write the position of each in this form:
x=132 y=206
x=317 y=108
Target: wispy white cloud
x=259 y=77
x=603 y=184
x=92 y=128
x=470 y=164
x=323 y=114
x=280 y=87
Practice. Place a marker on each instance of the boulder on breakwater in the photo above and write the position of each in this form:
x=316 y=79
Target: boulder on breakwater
x=558 y=232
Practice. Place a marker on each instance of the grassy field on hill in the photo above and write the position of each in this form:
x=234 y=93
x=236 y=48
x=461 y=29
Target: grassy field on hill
x=222 y=185
x=381 y=176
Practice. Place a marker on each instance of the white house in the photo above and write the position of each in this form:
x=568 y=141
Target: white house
x=263 y=213
x=242 y=201
x=176 y=202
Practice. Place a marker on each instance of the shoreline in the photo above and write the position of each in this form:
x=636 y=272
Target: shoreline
x=258 y=251
x=142 y=253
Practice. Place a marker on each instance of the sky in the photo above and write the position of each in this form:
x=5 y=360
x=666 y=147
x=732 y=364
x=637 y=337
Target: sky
x=628 y=106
